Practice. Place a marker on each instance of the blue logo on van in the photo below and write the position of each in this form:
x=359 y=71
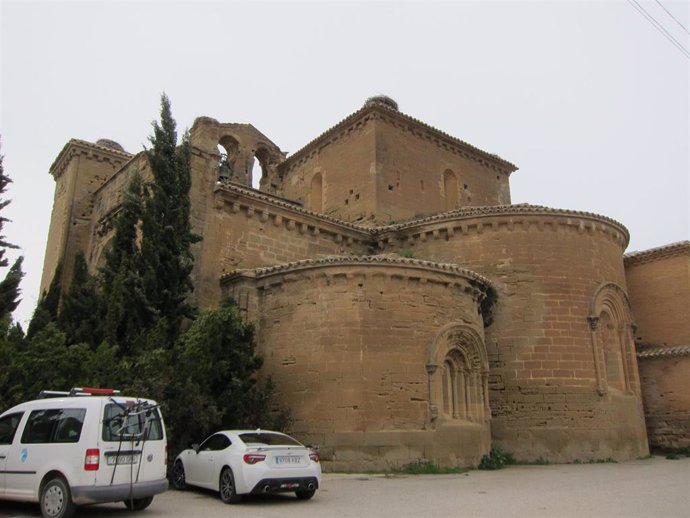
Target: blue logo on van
x=23 y=455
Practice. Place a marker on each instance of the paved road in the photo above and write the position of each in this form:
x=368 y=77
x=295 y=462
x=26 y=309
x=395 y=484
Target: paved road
x=649 y=488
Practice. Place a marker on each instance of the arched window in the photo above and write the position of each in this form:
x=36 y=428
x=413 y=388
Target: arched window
x=259 y=167
x=316 y=196
x=450 y=189
x=229 y=168
x=613 y=346
x=460 y=389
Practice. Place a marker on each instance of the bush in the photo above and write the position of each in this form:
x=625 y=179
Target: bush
x=496 y=459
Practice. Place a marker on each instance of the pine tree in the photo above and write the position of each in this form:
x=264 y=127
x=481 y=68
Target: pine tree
x=4 y=183
x=9 y=286
x=166 y=229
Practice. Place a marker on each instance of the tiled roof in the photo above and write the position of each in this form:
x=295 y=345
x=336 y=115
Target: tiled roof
x=657 y=254
x=664 y=352
x=523 y=208
x=389 y=111
x=369 y=260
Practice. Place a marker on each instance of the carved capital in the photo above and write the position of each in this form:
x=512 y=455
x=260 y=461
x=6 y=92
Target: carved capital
x=593 y=321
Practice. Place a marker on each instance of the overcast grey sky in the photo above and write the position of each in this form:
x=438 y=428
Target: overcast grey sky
x=587 y=98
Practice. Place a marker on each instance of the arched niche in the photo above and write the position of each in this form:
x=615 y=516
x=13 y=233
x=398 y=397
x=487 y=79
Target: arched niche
x=458 y=370
x=612 y=336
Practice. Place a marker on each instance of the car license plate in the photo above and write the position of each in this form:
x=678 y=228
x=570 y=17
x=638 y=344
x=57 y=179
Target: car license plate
x=288 y=460
x=121 y=459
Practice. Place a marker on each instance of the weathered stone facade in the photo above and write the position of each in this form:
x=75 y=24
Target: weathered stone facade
x=659 y=287
x=404 y=307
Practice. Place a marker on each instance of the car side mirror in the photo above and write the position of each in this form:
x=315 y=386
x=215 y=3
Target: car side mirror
x=195 y=447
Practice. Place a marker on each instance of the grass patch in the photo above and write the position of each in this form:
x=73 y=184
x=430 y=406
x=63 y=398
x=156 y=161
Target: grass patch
x=422 y=467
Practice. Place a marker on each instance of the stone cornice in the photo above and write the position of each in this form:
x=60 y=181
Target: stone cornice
x=266 y=206
x=682 y=248
x=383 y=112
x=650 y=353
x=75 y=147
x=367 y=260
x=491 y=216
x=476 y=219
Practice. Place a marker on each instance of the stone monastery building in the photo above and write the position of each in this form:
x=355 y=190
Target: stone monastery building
x=404 y=307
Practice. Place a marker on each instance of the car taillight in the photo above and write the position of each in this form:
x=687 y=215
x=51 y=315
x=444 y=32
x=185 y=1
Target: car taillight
x=313 y=455
x=253 y=458
x=92 y=459
x=166 y=454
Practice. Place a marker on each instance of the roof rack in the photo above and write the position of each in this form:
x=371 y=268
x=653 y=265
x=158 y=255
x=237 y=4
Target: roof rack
x=79 y=391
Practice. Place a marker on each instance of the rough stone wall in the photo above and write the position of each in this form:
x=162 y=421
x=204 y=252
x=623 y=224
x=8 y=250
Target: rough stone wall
x=249 y=230
x=79 y=171
x=380 y=166
x=107 y=200
x=410 y=175
x=666 y=390
x=545 y=378
x=348 y=170
x=348 y=346
x=659 y=287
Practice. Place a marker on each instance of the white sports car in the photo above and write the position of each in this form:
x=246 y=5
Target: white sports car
x=239 y=462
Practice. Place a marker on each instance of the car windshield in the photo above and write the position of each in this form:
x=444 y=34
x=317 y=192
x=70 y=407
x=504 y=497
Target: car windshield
x=268 y=439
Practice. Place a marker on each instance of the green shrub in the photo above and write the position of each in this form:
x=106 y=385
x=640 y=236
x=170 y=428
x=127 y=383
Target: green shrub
x=496 y=459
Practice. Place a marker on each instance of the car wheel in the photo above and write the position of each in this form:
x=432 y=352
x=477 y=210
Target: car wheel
x=138 y=504
x=178 y=477
x=305 y=494
x=228 y=491
x=56 y=500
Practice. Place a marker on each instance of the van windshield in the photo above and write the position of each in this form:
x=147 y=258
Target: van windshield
x=131 y=422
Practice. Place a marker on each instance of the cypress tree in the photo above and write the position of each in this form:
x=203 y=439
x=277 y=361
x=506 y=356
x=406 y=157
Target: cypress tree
x=166 y=228
x=127 y=312
x=79 y=317
x=47 y=309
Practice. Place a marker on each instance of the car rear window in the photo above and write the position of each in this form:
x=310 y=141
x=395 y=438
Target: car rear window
x=8 y=427
x=268 y=439
x=121 y=422
x=54 y=425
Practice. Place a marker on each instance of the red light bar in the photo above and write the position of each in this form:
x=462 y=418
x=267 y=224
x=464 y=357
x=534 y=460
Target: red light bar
x=95 y=391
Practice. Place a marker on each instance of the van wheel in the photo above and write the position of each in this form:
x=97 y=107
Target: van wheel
x=228 y=491
x=56 y=500
x=138 y=504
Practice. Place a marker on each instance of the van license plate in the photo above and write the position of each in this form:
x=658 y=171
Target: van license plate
x=112 y=460
x=288 y=460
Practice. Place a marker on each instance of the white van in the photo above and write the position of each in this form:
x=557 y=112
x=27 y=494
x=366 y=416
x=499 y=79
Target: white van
x=82 y=447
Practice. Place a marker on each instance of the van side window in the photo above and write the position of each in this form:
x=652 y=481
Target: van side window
x=54 y=425
x=118 y=427
x=8 y=427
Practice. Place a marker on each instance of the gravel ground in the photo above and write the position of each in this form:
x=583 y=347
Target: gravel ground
x=649 y=488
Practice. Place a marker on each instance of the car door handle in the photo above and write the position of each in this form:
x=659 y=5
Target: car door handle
x=3 y=457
